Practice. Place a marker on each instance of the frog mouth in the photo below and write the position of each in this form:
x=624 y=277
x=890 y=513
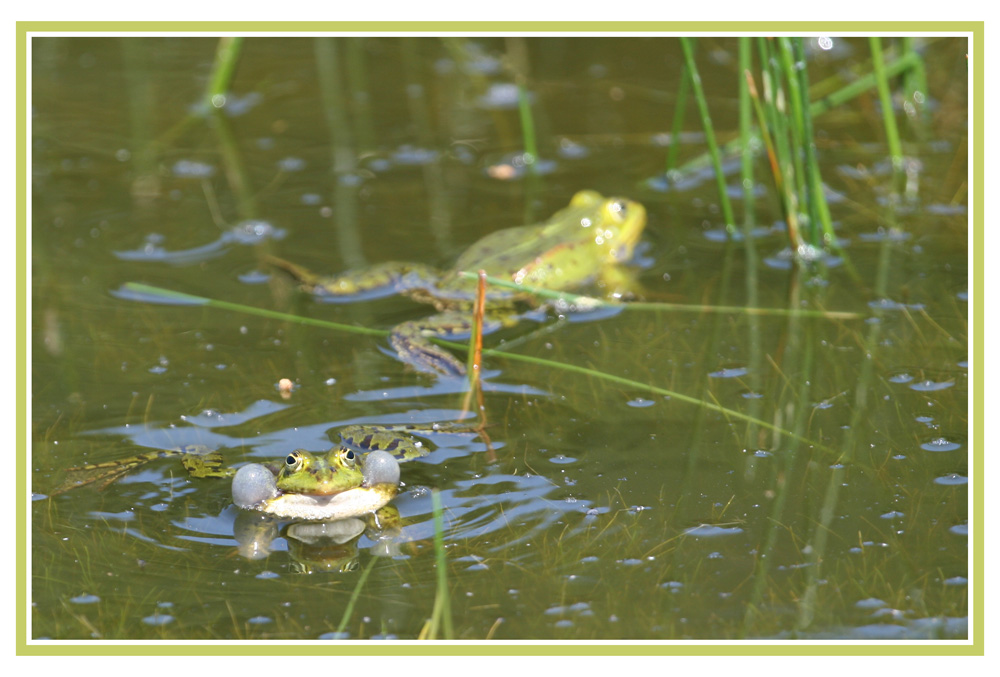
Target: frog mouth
x=328 y=487
x=347 y=503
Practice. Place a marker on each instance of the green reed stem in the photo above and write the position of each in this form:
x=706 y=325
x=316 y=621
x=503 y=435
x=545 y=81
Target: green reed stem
x=819 y=211
x=441 y=614
x=795 y=127
x=706 y=122
x=915 y=81
x=777 y=121
x=772 y=153
x=527 y=126
x=678 y=122
x=855 y=89
x=746 y=136
x=227 y=55
x=818 y=106
x=888 y=115
x=363 y=116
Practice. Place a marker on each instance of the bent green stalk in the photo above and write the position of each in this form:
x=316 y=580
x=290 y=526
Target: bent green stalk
x=191 y=299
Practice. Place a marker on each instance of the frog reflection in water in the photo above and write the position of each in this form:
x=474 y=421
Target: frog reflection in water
x=583 y=243
x=358 y=476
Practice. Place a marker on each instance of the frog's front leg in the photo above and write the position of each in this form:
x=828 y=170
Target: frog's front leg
x=620 y=282
x=200 y=461
x=411 y=341
x=394 y=277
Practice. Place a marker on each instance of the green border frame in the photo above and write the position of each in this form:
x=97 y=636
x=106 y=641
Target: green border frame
x=473 y=648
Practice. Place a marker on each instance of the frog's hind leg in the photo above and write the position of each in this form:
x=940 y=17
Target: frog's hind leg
x=105 y=473
x=392 y=277
x=411 y=341
x=198 y=459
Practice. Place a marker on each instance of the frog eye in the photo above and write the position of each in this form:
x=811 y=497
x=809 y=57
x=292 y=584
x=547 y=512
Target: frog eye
x=293 y=461
x=348 y=457
x=619 y=209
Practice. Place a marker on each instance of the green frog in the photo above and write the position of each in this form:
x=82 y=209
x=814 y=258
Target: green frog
x=583 y=243
x=311 y=487
x=357 y=476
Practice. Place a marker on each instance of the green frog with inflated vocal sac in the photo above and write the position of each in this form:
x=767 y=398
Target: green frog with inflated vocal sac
x=358 y=476
x=584 y=243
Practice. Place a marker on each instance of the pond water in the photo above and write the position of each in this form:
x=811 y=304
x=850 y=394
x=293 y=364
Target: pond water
x=785 y=476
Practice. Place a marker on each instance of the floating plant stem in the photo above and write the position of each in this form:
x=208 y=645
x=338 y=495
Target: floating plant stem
x=160 y=295
x=585 y=303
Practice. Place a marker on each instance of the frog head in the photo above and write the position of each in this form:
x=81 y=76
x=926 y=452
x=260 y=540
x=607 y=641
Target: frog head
x=613 y=223
x=306 y=473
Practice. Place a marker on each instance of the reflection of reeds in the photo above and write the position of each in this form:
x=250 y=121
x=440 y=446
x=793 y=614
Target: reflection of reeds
x=358 y=586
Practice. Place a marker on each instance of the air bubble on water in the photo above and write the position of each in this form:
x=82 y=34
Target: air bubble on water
x=940 y=444
x=952 y=479
x=930 y=386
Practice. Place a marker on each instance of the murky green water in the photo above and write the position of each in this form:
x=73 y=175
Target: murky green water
x=602 y=510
